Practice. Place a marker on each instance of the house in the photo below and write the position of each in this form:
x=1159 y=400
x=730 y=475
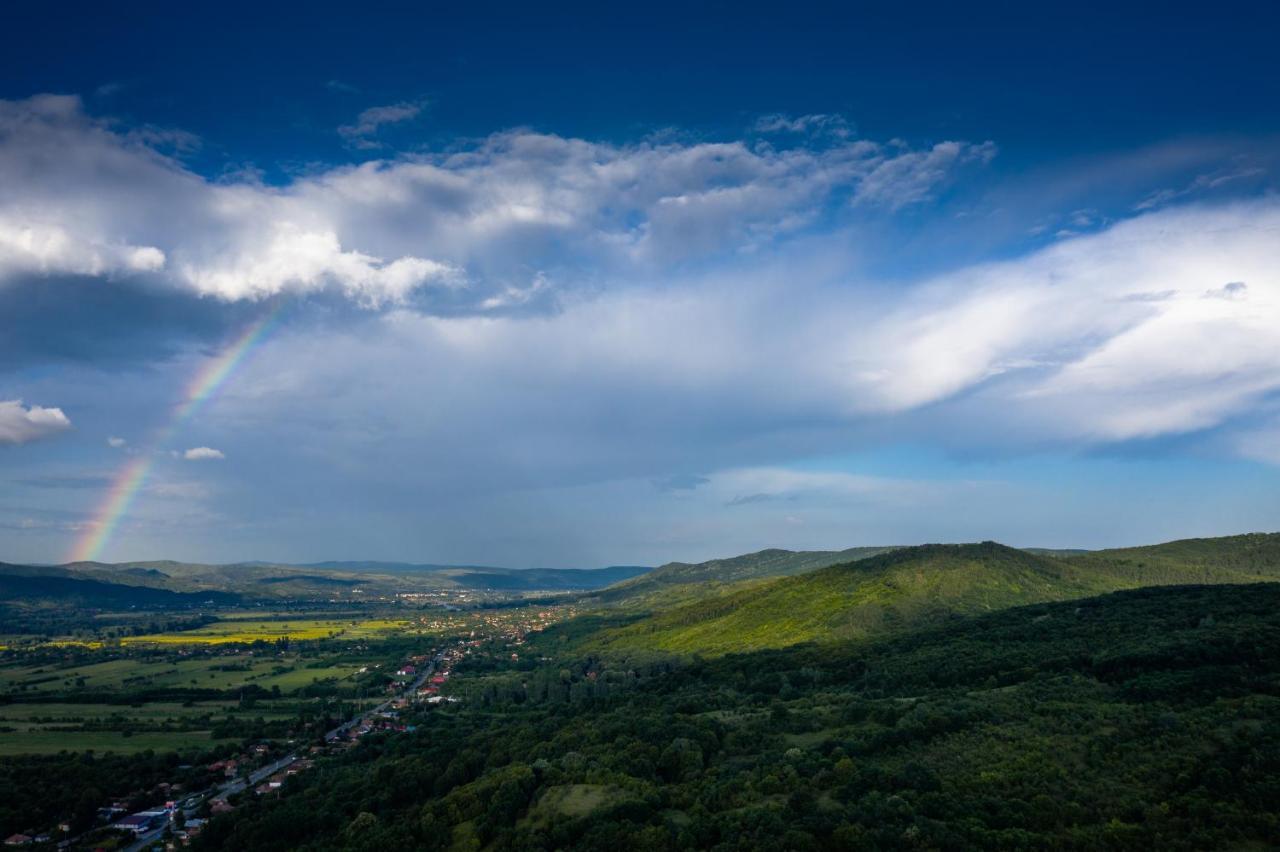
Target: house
x=139 y=823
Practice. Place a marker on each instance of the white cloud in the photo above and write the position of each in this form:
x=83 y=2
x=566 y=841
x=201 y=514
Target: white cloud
x=115 y=442
x=362 y=133
x=78 y=197
x=20 y=424
x=203 y=454
x=835 y=125
x=1090 y=341
x=1073 y=332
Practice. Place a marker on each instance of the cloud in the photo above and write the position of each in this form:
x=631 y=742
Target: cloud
x=465 y=229
x=1093 y=341
x=203 y=454
x=1230 y=290
x=681 y=482
x=21 y=424
x=1201 y=184
x=116 y=443
x=341 y=87
x=370 y=121
x=748 y=499
x=814 y=123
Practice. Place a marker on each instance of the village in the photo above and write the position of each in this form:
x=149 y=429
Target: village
x=263 y=768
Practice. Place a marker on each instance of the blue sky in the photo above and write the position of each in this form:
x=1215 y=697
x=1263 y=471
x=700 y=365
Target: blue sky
x=584 y=287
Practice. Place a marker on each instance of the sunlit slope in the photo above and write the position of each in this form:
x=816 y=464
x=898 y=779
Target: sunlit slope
x=907 y=587
x=901 y=588
x=680 y=582
x=1248 y=558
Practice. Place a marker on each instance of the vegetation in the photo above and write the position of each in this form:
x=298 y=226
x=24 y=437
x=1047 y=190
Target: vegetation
x=679 y=582
x=909 y=587
x=941 y=696
x=1142 y=719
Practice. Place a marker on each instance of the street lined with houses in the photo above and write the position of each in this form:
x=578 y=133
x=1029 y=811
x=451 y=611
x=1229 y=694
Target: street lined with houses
x=150 y=825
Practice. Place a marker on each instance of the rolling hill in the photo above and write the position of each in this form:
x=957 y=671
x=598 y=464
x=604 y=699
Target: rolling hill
x=680 y=582
x=265 y=580
x=910 y=586
x=24 y=587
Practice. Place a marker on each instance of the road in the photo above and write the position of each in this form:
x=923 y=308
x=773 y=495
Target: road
x=258 y=775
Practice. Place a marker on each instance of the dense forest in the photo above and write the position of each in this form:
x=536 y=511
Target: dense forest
x=1142 y=719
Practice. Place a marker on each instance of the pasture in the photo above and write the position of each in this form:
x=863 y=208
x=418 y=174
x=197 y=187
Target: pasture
x=248 y=629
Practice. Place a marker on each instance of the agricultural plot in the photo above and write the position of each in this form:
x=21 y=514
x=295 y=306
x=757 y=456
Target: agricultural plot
x=246 y=630
x=46 y=728
x=219 y=672
x=53 y=742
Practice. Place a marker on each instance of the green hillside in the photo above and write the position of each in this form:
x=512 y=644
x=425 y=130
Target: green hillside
x=901 y=587
x=680 y=582
x=1248 y=558
x=1145 y=719
x=904 y=587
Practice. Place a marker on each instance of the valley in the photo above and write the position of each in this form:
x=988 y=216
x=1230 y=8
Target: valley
x=778 y=700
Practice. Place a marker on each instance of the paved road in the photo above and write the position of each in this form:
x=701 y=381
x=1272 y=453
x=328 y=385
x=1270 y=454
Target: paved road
x=257 y=776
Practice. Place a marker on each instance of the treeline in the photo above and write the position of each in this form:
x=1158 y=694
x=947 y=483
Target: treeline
x=1139 y=720
x=40 y=790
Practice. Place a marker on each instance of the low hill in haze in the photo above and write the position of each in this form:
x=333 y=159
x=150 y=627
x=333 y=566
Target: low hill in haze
x=265 y=580
x=21 y=586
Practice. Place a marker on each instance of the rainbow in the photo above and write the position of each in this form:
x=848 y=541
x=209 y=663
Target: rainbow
x=129 y=481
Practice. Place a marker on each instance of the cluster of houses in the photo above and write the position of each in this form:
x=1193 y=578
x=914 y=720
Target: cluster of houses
x=387 y=719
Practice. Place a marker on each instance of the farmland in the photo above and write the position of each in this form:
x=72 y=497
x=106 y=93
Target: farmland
x=249 y=628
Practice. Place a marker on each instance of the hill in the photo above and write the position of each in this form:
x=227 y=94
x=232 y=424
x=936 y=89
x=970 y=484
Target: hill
x=325 y=579
x=1249 y=558
x=905 y=587
x=899 y=588
x=679 y=582
x=1146 y=719
x=26 y=588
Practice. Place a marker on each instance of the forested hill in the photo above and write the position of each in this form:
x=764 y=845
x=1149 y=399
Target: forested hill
x=1146 y=719
x=677 y=581
x=910 y=586
x=900 y=588
x=21 y=587
x=1246 y=558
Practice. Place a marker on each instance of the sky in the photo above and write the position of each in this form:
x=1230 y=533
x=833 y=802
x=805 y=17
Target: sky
x=574 y=287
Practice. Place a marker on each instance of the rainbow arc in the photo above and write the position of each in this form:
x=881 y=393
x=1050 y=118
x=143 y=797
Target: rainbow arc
x=131 y=478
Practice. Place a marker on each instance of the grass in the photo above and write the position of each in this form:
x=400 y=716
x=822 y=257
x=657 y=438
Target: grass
x=574 y=800
x=52 y=742
x=200 y=672
x=246 y=630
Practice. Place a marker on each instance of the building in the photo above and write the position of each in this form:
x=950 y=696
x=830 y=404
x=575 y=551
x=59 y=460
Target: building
x=141 y=822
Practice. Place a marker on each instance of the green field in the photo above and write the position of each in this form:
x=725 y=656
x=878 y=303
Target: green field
x=197 y=672
x=251 y=629
x=52 y=742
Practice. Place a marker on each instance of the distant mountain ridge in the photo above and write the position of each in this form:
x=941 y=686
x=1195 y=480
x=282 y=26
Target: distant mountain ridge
x=25 y=587
x=266 y=580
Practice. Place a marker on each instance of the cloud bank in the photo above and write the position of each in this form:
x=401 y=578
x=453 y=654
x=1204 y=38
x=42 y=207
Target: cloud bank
x=79 y=196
